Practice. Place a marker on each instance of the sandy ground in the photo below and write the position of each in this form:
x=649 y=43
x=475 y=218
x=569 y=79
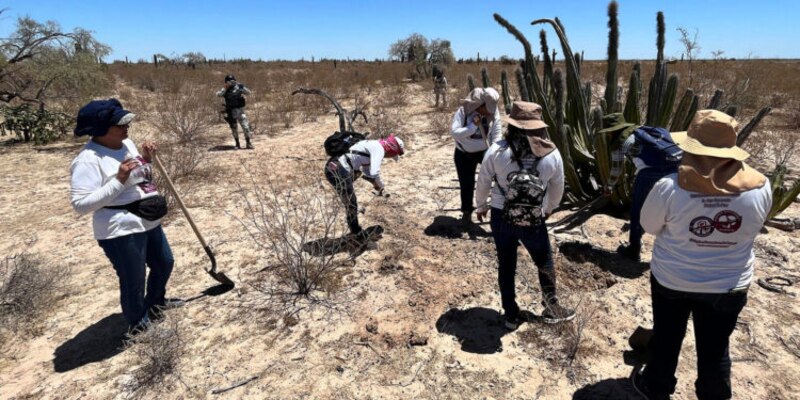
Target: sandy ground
x=419 y=316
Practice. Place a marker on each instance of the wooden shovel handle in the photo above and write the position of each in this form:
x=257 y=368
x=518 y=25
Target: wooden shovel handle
x=171 y=186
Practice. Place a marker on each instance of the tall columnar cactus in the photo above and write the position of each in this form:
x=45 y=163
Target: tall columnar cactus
x=470 y=82
x=561 y=136
x=667 y=101
x=632 y=113
x=716 y=99
x=524 y=92
x=659 y=80
x=532 y=82
x=485 y=77
x=547 y=81
x=748 y=129
x=682 y=111
x=613 y=46
x=506 y=91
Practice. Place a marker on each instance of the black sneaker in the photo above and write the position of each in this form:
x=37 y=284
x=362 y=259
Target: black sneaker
x=630 y=252
x=512 y=322
x=555 y=313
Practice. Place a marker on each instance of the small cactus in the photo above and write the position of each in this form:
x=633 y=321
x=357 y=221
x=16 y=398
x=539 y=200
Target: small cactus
x=485 y=77
x=470 y=82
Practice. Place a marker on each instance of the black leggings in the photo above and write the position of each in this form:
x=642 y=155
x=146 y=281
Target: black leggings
x=466 y=163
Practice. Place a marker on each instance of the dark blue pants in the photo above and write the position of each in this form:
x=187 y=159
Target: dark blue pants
x=342 y=181
x=644 y=182
x=129 y=254
x=466 y=164
x=714 y=316
x=507 y=238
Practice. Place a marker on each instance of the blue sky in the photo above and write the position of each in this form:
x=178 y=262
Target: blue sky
x=295 y=29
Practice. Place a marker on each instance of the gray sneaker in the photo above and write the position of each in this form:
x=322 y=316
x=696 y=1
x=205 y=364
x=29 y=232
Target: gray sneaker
x=555 y=313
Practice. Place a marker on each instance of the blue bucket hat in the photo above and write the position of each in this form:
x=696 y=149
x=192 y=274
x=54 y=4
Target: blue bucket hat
x=95 y=118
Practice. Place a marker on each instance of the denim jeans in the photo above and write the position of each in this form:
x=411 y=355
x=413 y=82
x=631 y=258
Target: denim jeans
x=129 y=254
x=507 y=238
x=644 y=182
x=714 y=316
x=466 y=164
x=342 y=181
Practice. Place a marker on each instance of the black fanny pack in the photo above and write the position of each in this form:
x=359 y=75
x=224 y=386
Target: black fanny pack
x=152 y=208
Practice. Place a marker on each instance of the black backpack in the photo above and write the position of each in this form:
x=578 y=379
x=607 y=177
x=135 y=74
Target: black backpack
x=339 y=143
x=524 y=196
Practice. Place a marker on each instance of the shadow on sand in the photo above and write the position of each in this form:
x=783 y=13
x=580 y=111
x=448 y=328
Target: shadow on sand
x=607 y=389
x=452 y=228
x=478 y=329
x=100 y=341
x=612 y=262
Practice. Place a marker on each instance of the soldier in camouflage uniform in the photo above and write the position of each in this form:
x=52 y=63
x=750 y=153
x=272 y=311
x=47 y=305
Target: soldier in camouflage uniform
x=234 y=93
x=440 y=87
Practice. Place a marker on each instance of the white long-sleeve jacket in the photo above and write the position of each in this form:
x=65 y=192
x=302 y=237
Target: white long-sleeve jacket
x=497 y=164
x=467 y=135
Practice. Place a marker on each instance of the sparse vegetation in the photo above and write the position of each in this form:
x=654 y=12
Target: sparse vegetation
x=158 y=353
x=29 y=288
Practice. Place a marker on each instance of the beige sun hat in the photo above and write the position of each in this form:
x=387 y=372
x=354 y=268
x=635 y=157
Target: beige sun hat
x=711 y=133
x=525 y=115
x=478 y=97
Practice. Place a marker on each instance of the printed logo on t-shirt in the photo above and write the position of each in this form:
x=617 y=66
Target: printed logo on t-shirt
x=702 y=226
x=725 y=221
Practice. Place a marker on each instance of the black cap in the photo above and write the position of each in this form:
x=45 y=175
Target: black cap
x=229 y=78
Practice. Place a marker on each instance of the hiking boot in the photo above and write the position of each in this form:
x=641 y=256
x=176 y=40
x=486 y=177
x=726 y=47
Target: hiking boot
x=512 y=322
x=555 y=313
x=637 y=381
x=629 y=252
x=249 y=146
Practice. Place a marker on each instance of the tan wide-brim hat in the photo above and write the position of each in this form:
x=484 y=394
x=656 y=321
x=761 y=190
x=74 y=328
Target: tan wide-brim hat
x=479 y=97
x=712 y=133
x=525 y=115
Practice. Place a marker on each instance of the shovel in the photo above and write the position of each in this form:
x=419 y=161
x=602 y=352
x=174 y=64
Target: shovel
x=218 y=276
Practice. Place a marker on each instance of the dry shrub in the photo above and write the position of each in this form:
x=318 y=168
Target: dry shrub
x=396 y=96
x=386 y=121
x=184 y=121
x=440 y=123
x=564 y=344
x=158 y=352
x=773 y=146
x=282 y=215
x=28 y=289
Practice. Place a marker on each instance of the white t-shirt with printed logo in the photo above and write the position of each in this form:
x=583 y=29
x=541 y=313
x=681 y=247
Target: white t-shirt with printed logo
x=94 y=185
x=704 y=243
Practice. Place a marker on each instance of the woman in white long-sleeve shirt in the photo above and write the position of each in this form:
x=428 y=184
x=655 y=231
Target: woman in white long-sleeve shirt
x=110 y=179
x=363 y=159
x=476 y=126
x=525 y=145
x=705 y=219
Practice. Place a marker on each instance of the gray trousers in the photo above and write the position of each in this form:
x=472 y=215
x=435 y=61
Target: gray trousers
x=237 y=115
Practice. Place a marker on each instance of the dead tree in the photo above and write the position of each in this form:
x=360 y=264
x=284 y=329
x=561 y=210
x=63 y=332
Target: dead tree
x=346 y=118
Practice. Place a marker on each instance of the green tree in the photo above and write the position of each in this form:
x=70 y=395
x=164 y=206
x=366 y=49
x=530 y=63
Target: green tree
x=52 y=70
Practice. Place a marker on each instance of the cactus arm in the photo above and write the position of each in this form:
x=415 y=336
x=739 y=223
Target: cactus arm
x=613 y=47
x=748 y=129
